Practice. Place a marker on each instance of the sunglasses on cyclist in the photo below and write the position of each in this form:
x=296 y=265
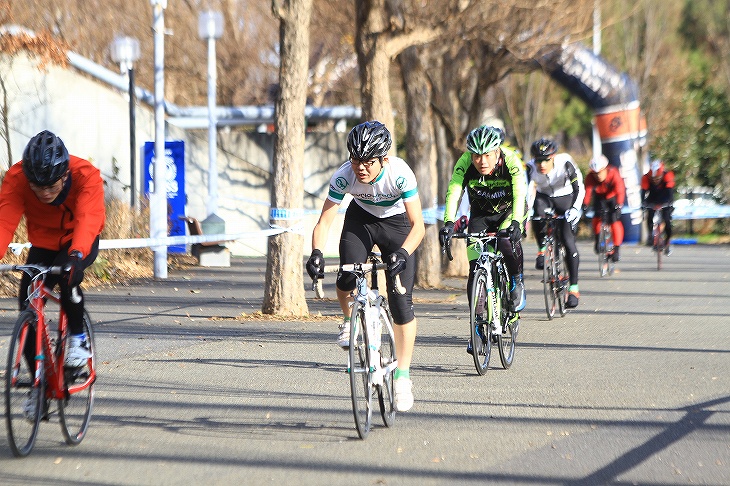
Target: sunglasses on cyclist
x=542 y=161
x=365 y=163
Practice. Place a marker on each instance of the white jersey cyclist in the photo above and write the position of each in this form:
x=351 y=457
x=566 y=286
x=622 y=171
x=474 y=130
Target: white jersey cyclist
x=558 y=182
x=382 y=197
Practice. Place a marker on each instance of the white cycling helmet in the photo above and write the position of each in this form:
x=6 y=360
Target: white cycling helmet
x=599 y=163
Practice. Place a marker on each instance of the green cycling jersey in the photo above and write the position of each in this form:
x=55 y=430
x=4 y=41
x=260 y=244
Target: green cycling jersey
x=502 y=192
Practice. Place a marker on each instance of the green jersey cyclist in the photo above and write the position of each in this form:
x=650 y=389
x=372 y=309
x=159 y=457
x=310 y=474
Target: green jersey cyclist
x=385 y=211
x=494 y=178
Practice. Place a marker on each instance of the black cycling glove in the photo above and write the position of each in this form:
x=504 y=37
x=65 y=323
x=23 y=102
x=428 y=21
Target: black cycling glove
x=446 y=233
x=315 y=265
x=397 y=262
x=75 y=268
x=515 y=231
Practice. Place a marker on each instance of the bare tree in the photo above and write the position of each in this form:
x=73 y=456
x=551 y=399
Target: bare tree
x=284 y=292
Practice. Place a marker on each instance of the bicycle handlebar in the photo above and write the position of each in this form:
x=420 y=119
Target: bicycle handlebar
x=355 y=268
x=33 y=269
x=481 y=235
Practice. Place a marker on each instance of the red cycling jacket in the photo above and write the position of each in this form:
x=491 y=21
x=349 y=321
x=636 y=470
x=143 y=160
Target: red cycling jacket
x=661 y=192
x=78 y=219
x=612 y=187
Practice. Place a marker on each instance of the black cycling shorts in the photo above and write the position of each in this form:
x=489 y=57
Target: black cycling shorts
x=361 y=231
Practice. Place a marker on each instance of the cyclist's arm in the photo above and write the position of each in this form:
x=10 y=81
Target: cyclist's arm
x=519 y=184
x=418 y=229
x=11 y=208
x=455 y=187
x=619 y=188
x=322 y=228
x=90 y=210
x=576 y=181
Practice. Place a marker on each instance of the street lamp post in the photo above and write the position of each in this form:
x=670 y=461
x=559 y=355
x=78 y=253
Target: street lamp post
x=210 y=28
x=125 y=51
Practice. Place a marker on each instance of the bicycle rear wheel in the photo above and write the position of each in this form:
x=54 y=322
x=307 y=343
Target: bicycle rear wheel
x=24 y=402
x=481 y=313
x=548 y=279
x=386 y=391
x=75 y=408
x=509 y=320
x=359 y=370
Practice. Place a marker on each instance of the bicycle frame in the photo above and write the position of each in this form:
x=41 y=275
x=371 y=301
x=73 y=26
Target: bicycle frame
x=48 y=360
x=554 y=279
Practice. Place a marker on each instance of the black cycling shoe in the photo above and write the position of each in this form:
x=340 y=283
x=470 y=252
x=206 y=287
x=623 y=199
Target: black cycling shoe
x=540 y=261
x=572 y=301
x=615 y=257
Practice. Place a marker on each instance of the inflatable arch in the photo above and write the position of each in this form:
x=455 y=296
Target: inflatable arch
x=613 y=96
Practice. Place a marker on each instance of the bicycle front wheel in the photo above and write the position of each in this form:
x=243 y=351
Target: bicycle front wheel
x=24 y=400
x=658 y=246
x=510 y=322
x=481 y=313
x=359 y=370
x=75 y=408
x=548 y=279
x=386 y=391
x=605 y=247
x=562 y=281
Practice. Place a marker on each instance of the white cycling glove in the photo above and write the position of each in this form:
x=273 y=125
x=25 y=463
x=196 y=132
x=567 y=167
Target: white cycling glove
x=572 y=216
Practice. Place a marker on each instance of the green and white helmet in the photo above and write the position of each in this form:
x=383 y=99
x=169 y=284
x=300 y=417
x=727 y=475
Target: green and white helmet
x=484 y=139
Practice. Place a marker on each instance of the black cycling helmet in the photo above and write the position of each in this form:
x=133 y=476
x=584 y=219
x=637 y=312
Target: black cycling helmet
x=369 y=140
x=543 y=148
x=45 y=159
x=484 y=139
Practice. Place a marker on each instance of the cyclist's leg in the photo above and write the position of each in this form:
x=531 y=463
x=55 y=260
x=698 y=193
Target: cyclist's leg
x=74 y=307
x=649 y=227
x=571 y=251
x=355 y=245
x=389 y=234
x=596 y=225
x=667 y=215
x=542 y=202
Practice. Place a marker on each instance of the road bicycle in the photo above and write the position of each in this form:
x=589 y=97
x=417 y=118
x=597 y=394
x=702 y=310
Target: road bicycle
x=660 y=243
x=606 y=265
x=35 y=377
x=555 y=282
x=371 y=355
x=492 y=317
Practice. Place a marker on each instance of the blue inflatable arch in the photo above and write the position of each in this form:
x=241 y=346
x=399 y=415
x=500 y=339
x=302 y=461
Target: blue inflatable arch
x=613 y=96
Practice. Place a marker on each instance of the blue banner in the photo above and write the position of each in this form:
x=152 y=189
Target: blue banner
x=175 y=182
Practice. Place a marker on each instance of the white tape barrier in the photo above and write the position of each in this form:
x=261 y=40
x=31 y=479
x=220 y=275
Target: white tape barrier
x=17 y=248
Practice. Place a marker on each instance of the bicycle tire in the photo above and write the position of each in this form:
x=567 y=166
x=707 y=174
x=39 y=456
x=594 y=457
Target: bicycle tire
x=386 y=391
x=605 y=244
x=548 y=279
x=562 y=281
x=506 y=340
x=19 y=388
x=658 y=245
x=479 y=325
x=75 y=409
x=359 y=371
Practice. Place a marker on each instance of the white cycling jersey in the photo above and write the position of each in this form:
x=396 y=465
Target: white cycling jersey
x=557 y=182
x=384 y=196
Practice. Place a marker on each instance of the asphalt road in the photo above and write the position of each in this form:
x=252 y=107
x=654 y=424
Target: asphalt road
x=632 y=387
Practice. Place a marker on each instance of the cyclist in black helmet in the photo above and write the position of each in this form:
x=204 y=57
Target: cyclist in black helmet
x=385 y=211
x=556 y=182
x=494 y=178
x=62 y=199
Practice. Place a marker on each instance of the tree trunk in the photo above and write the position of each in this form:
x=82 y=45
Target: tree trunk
x=374 y=62
x=421 y=155
x=284 y=290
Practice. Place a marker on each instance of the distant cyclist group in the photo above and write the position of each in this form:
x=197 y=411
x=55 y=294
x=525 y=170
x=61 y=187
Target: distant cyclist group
x=500 y=192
